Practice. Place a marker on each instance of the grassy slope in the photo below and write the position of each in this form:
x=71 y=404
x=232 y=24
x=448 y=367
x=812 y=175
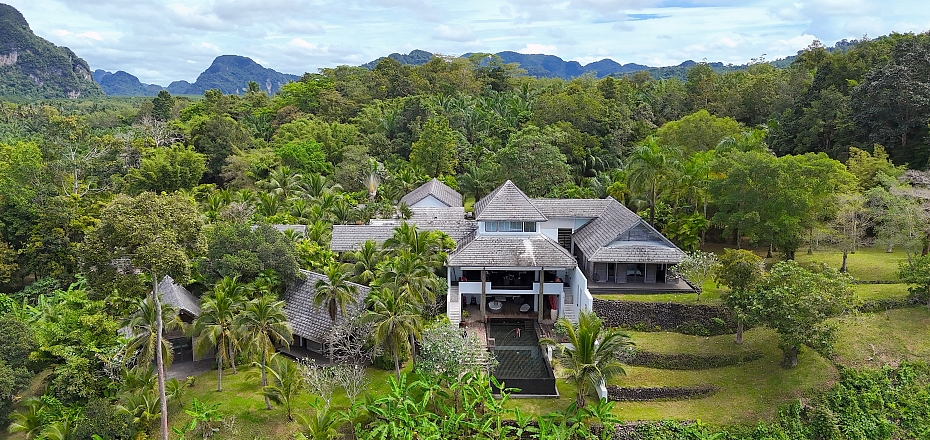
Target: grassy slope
x=746 y=393
x=871 y=340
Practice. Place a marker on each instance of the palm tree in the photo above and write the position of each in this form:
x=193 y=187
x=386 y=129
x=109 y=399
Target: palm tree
x=411 y=275
x=335 y=291
x=591 y=357
x=396 y=318
x=366 y=260
x=647 y=167
x=283 y=183
x=144 y=326
x=430 y=245
x=264 y=324
x=285 y=384
x=216 y=325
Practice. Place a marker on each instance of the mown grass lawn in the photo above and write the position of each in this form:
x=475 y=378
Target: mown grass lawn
x=869 y=264
x=746 y=393
x=872 y=340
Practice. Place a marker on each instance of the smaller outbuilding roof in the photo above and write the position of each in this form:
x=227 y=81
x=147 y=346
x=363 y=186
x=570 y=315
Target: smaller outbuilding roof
x=507 y=202
x=308 y=320
x=440 y=191
x=429 y=214
x=351 y=237
x=179 y=297
x=511 y=251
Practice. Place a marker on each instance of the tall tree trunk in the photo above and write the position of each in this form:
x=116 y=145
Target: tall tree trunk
x=160 y=359
x=739 y=331
x=232 y=357
x=219 y=368
x=397 y=366
x=265 y=380
x=845 y=255
x=413 y=352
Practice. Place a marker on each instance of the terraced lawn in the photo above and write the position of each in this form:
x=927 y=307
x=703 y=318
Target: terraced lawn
x=871 y=340
x=746 y=393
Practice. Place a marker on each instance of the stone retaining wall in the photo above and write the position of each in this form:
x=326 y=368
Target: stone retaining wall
x=704 y=320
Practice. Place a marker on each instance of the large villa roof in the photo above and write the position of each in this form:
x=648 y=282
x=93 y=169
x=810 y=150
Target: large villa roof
x=571 y=208
x=440 y=191
x=610 y=238
x=510 y=251
x=308 y=320
x=507 y=202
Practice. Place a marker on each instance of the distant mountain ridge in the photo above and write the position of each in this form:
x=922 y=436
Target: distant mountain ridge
x=34 y=67
x=232 y=73
x=229 y=73
x=124 y=84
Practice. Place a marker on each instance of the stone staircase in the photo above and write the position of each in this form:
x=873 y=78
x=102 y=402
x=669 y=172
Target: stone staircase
x=454 y=307
x=571 y=310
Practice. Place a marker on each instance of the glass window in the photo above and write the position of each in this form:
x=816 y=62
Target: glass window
x=516 y=226
x=490 y=226
x=529 y=227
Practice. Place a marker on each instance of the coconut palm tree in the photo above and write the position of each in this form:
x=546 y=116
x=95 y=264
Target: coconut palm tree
x=335 y=291
x=285 y=384
x=366 y=260
x=264 y=324
x=647 y=167
x=591 y=356
x=216 y=325
x=395 y=318
x=143 y=325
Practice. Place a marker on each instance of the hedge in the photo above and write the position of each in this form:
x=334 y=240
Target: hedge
x=640 y=394
x=681 y=361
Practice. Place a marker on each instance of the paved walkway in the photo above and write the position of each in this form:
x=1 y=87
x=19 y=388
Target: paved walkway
x=181 y=370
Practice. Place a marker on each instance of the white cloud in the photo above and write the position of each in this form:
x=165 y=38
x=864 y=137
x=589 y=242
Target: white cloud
x=535 y=48
x=462 y=33
x=90 y=34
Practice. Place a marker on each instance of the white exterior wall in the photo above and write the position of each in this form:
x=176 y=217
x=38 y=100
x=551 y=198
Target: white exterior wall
x=429 y=202
x=551 y=228
x=583 y=298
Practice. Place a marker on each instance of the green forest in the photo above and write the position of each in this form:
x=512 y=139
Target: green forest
x=773 y=169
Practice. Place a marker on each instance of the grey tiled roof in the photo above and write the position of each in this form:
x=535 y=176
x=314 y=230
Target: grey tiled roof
x=178 y=296
x=603 y=239
x=507 y=202
x=350 y=237
x=434 y=188
x=512 y=251
x=432 y=214
x=571 y=208
x=308 y=320
x=638 y=252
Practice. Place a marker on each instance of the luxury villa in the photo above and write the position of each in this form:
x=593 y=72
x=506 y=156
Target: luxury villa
x=525 y=258
x=519 y=263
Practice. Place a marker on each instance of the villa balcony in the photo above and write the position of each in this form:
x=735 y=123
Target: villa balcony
x=495 y=289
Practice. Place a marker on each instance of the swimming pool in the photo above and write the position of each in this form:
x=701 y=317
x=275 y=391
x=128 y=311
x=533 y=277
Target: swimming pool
x=521 y=363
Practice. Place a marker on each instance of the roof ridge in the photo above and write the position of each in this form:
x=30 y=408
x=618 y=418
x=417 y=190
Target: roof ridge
x=506 y=203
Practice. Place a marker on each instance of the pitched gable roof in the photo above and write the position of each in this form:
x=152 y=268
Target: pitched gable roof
x=179 y=297
x=619 y=235
x=571 y=208
x=308 y=320
x=507 y=202
x=437 y=189
x=511 y=251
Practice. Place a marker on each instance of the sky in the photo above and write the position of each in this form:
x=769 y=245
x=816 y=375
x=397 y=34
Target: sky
x=161 y=41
